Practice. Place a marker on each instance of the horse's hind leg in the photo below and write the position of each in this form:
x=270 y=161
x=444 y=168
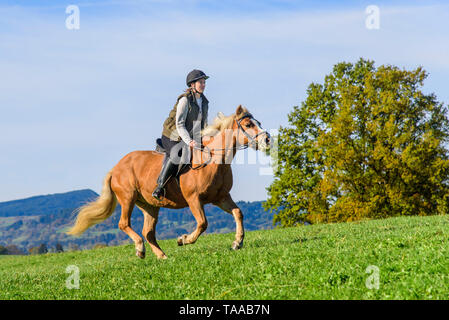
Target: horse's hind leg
x=150 y=215
x=127 y=204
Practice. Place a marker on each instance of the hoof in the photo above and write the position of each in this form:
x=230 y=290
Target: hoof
x=181 y=240
x=236 y=245
x=140 y=254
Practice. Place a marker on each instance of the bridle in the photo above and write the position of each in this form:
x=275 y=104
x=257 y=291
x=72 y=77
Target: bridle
x=252 y=141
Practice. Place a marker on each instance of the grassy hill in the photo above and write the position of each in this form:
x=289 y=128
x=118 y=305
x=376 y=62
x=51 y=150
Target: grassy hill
x=310 y=262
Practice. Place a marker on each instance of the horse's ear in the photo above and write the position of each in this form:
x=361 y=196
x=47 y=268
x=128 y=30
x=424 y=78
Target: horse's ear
x=239 y=110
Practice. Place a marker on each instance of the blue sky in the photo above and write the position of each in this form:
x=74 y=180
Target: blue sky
x=73 y=102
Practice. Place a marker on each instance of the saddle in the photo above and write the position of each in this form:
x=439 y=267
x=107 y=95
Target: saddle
x=181 y=165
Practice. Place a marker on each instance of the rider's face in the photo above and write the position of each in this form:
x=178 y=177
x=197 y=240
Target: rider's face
x=200 y=85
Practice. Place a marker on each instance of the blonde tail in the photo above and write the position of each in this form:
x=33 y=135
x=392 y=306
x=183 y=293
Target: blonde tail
x=96 y=211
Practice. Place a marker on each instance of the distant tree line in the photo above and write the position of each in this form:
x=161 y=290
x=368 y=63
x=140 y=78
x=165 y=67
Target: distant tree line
x=42 y=249
x=11 y=249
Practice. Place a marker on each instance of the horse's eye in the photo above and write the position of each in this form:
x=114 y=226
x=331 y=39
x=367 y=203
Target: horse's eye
x=249 y=125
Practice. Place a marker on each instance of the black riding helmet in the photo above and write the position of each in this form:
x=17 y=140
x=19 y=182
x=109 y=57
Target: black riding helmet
x=195 y=75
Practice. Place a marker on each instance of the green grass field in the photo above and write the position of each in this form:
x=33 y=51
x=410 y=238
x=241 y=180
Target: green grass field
x=313 y=262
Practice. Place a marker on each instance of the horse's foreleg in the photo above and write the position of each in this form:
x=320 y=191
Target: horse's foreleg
x=228 y=205
x=201 y=223
x=150 y=215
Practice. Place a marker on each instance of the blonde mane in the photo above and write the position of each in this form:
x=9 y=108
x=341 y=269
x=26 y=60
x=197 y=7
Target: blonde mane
x=222 y=122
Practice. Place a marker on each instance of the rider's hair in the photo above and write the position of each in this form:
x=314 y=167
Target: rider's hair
x=190 y=89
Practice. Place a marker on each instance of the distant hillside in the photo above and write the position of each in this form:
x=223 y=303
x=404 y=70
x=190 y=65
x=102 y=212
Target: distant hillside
x=32 y=221
x=46 y=204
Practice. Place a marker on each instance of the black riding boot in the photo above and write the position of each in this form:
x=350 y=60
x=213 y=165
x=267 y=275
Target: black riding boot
x=166 y=171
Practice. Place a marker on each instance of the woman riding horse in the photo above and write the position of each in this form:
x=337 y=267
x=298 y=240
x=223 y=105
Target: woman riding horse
x=133 y=180
x=183 y=126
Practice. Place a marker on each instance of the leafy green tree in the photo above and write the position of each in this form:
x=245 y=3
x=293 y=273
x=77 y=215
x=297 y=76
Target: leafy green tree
x=42 y=249
x=38 y=250
x=59 y=248
x=368 y=143
x=33 y=250
x=3 y=250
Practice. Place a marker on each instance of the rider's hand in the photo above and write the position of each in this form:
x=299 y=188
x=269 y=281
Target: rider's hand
x=193 y=143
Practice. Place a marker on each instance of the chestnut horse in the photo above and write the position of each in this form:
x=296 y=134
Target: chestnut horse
x=133 y=180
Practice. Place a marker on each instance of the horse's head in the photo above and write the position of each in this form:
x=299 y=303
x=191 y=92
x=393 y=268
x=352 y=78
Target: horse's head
x=250 y=131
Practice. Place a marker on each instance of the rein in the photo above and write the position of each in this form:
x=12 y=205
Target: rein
x=252 y=140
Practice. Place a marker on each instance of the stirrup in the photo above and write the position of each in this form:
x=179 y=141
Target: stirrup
x=162 y=191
